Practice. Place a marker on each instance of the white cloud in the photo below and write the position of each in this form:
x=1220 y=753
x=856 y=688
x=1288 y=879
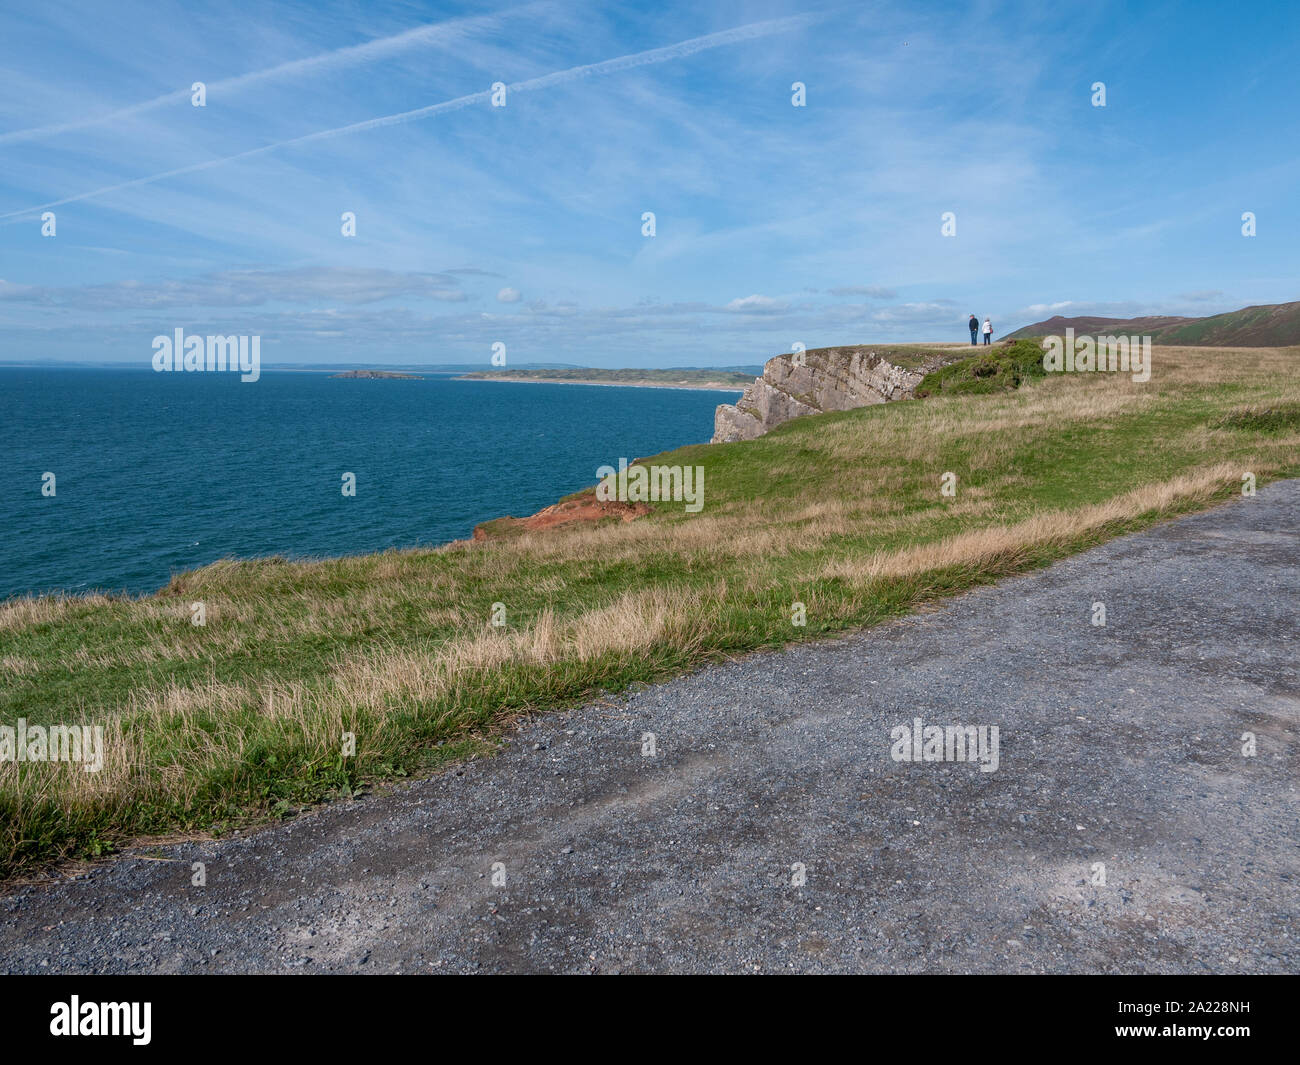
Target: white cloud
x=1038 y=310
x=756 y=305
x=920 y=313
x=874 y=292
x=509 y=295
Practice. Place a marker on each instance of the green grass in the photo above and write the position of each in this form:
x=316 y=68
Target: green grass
x=241 y=720
x=1285 y=417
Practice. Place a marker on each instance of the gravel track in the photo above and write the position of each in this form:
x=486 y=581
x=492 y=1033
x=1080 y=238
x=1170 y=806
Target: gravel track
x=1119 y=745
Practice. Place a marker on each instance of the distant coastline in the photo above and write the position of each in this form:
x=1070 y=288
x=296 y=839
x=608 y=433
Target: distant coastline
x=711 y=380
x=601 y=384
x=377 y=375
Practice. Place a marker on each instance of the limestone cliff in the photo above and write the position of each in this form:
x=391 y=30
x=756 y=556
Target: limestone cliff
x=825 y=379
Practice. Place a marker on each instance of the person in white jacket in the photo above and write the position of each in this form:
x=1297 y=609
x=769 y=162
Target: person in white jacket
x=988 y=331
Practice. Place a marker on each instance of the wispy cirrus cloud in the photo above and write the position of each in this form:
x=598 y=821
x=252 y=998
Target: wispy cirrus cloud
x=668 y=53
x=440 y=34
x=244 y=288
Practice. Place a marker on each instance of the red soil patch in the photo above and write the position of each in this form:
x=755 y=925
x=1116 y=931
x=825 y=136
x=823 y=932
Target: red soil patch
x=586 y=508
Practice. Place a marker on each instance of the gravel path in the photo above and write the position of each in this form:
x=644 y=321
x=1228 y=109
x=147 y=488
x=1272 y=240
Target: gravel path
x=1119 y=745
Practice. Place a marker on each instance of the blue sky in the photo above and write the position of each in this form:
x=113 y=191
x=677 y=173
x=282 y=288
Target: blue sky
x=522 y=224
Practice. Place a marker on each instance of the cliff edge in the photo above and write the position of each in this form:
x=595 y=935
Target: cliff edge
x=825 y=379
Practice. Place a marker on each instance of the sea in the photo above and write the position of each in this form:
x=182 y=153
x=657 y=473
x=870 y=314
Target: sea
x=114 y=479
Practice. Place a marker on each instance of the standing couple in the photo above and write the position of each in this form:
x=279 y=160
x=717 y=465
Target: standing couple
x=974 y=324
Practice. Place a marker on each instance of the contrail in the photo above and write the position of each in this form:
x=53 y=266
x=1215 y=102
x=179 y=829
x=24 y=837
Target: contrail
x=431 y=34
x=669 y=52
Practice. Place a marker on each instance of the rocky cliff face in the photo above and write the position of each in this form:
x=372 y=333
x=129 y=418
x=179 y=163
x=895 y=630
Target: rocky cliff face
x=813 y=382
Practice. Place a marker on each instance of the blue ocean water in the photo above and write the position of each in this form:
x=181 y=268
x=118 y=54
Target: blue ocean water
x=157 y=473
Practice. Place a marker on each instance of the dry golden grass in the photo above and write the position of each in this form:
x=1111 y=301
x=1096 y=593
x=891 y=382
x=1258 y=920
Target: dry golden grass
x=1004 y=545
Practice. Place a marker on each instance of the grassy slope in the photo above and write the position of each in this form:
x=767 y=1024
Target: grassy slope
x=1263 y=326
x=842 y=512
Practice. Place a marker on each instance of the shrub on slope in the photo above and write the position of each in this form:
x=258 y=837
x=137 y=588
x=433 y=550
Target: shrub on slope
x=995 y=369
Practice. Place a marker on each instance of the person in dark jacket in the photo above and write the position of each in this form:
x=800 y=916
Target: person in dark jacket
x=974 y=324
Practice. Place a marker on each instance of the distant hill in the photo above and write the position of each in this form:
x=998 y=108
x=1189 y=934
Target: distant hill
x=1274 y=325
